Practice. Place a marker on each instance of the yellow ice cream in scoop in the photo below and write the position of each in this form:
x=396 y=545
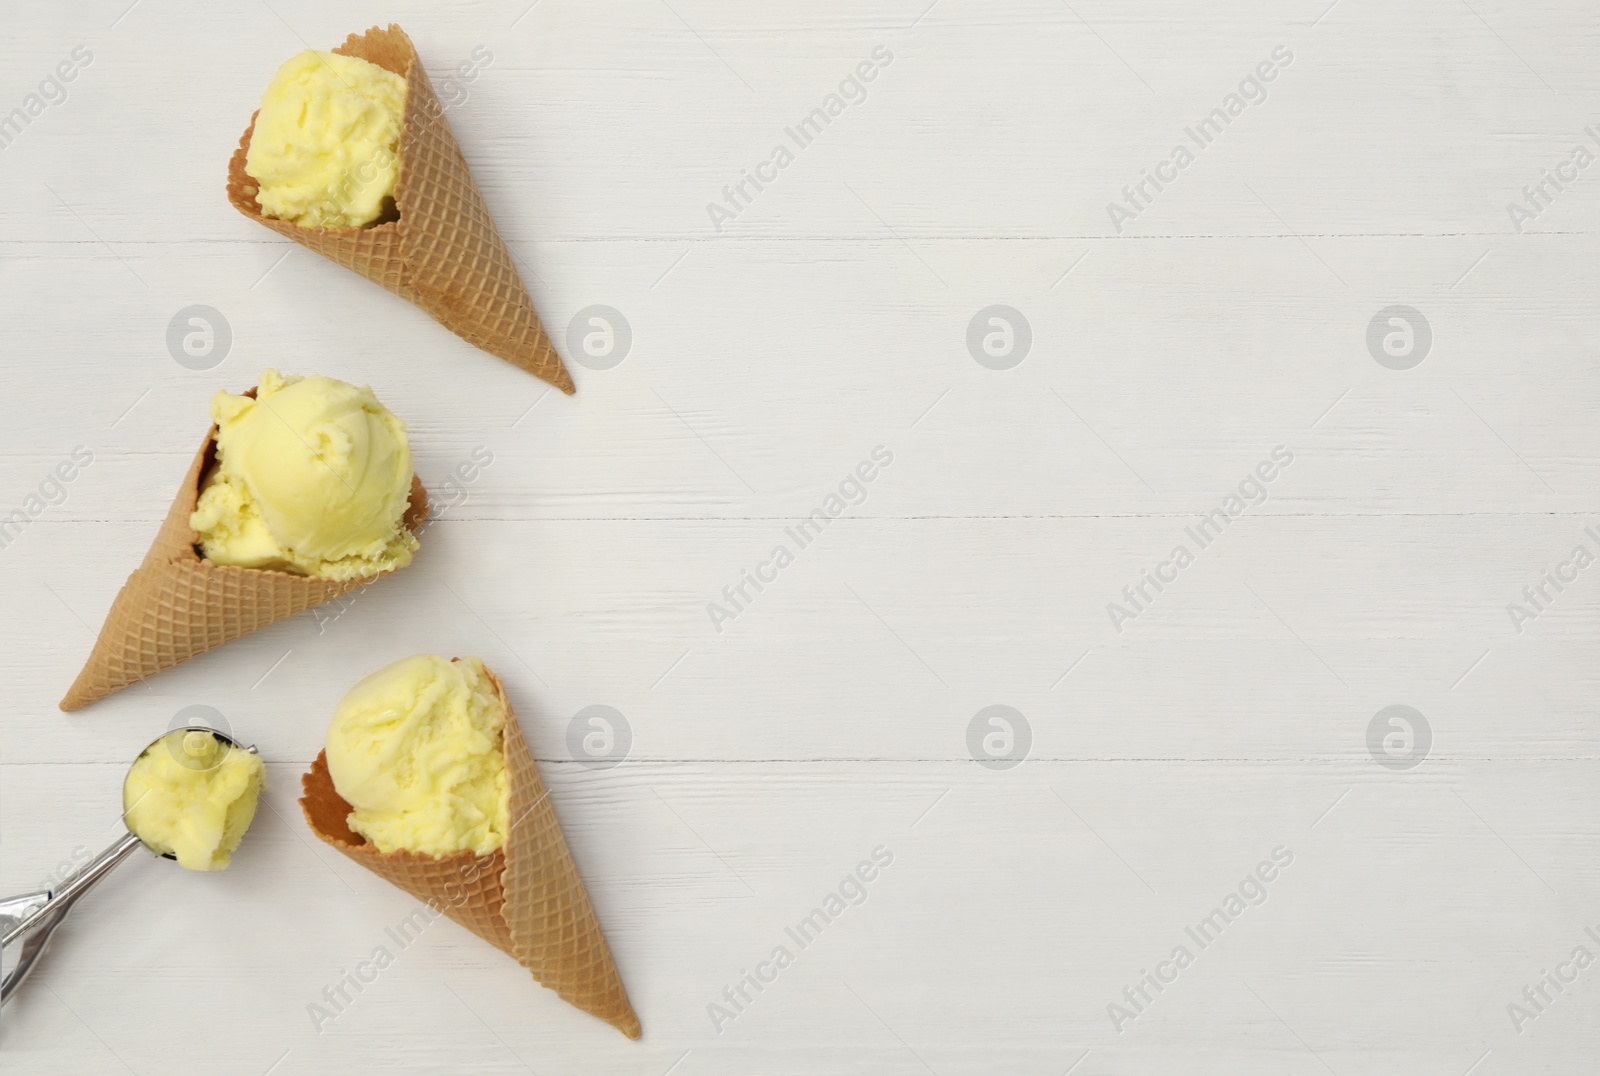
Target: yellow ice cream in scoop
x=415 y=749
x=313 y=476
x=192 y=795
x=325 y=151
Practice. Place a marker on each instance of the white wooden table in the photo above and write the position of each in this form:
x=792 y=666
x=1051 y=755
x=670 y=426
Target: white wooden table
x=1436 y=875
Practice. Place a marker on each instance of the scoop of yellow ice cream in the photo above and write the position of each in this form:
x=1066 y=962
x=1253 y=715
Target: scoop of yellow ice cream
x=325 y=151
x=415 y=749
x=312 y=476
x=193 y=795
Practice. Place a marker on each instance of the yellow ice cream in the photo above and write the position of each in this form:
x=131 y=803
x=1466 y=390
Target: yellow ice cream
x=326 y=145
x=415 y=749
x=193 y=795
x=313 y=476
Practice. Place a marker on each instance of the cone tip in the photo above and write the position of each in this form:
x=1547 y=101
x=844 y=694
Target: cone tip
x=80 y=694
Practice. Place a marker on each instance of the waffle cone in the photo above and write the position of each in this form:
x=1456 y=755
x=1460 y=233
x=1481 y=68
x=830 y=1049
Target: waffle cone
x=177 y=605
x=443 y=253
x=526 y=899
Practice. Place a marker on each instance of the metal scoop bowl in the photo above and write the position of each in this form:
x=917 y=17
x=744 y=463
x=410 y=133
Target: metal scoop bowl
x=28 y=920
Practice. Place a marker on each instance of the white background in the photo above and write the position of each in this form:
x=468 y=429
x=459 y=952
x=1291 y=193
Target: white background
x=831 y=716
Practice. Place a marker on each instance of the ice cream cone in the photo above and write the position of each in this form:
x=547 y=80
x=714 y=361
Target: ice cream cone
x=443 y=253
x=525 y=899
x=177 y=605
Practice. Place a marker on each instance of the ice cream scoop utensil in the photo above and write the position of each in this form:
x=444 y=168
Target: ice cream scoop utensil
x=28 y=920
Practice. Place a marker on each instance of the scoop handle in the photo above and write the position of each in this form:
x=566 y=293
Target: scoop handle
x=28 y=921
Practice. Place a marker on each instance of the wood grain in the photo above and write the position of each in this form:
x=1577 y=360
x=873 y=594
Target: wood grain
x=831 y=716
